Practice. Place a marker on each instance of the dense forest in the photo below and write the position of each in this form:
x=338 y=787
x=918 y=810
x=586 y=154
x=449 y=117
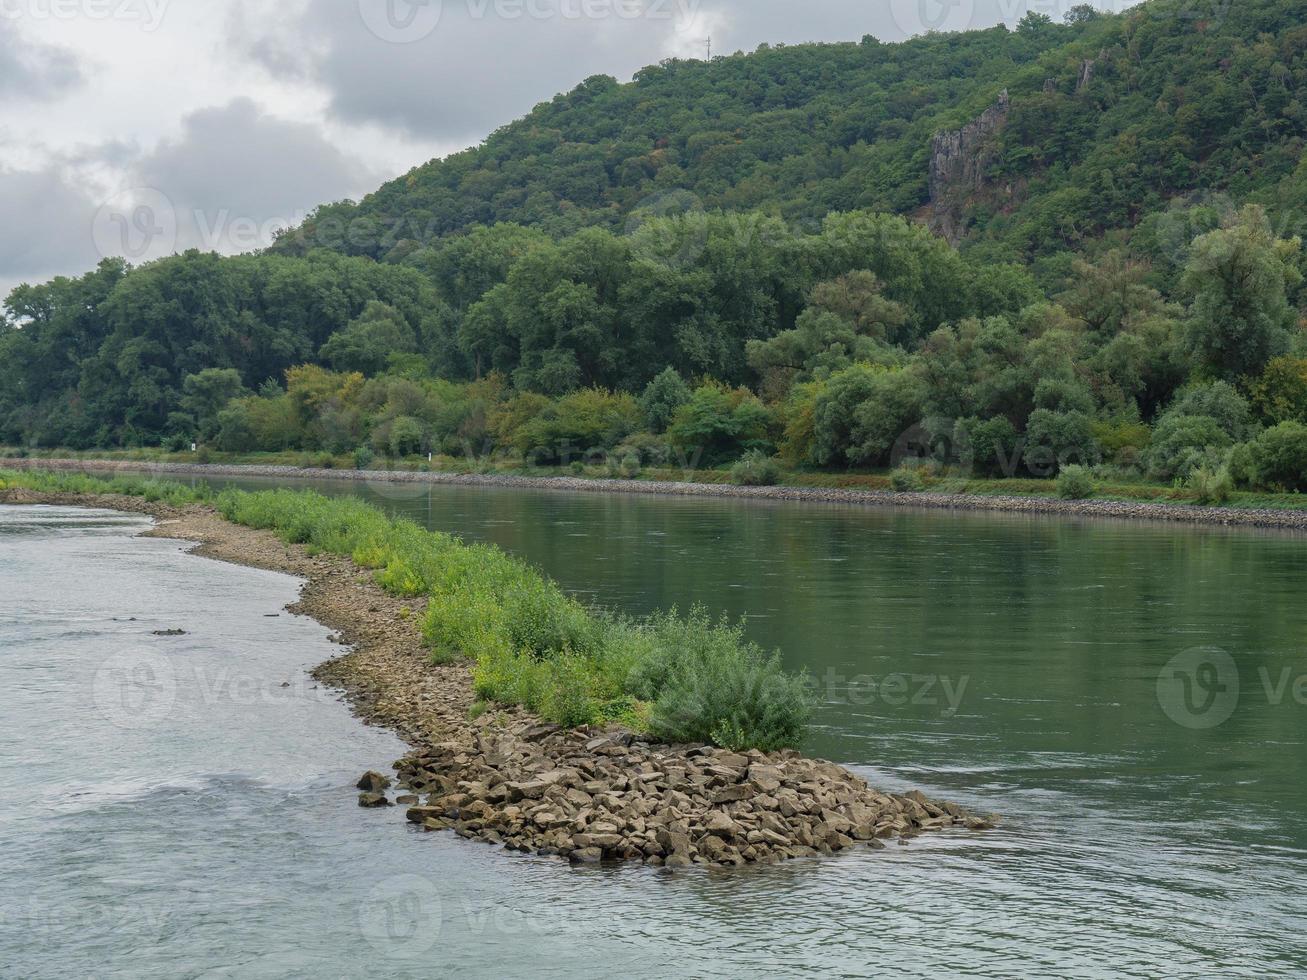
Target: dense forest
x=1066 y=242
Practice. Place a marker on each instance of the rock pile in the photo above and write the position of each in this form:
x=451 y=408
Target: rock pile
x=604 y=796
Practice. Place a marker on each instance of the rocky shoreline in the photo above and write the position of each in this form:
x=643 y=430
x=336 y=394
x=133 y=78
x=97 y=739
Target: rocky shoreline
x=1288 y=520
x=581 y=795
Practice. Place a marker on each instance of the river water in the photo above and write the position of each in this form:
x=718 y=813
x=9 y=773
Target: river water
x=1129 y=697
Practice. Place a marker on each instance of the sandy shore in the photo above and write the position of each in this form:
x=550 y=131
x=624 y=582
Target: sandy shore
x=508 y=779
x=1289 y=520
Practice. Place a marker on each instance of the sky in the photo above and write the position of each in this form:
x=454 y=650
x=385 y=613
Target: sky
x=140 y=127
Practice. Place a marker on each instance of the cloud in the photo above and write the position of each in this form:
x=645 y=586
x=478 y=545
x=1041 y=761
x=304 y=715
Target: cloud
x=236 y=164
x=33 y=70
x=226 y=183
x=47 y=222
x=454 y=70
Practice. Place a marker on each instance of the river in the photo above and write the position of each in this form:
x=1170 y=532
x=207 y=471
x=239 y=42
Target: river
x=1129 y=697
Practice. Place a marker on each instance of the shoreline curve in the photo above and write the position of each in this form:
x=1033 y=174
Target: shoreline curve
x=1193 y=514
x=505 y=778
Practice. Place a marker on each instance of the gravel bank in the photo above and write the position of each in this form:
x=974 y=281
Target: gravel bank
x=1177 y=513
x=580 y=795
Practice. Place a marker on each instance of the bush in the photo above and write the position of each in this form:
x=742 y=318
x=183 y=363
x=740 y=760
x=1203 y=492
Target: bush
x=649 y=449
x=663 y=396
x=1279 y=457
x=708 y=685
x=364 y=457
x=1211 y=486
x=720 y=423
x=907 y=479
x=1216 y=400
x=1055 y=440
x=406 y=436
x=584 y=421
x=1182 y=443
x=630 y=467
x=1280 y=394
x=991 y=445
x=755 y=469
x=1241 y=466
x=1075 y=483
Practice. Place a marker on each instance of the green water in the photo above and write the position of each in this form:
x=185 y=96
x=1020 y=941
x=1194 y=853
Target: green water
x=1125 y=695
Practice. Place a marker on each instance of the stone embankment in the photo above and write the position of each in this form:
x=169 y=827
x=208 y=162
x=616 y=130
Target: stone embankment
x=508 y=779
x=1265 y=517
x=593 y=796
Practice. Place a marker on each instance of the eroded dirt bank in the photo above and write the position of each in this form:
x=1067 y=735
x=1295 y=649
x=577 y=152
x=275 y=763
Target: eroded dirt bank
x=507 y=779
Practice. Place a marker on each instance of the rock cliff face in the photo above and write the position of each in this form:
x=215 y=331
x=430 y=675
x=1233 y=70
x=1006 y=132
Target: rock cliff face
x=1086 y=74
x=958 y=160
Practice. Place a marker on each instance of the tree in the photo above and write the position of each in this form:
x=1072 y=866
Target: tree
x=719 y=424
x=1280 y=394
x=1055 y=439
x=206 y=394
x=662 y=397
x=1279 y=456
x=1239 y=277
x=370 y=341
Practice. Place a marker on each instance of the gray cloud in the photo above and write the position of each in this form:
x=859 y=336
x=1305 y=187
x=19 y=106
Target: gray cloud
x=232 y=177
x=237 y=163
x=480 y=66
x=33 y=70
x=452 y=70
x=47 y=222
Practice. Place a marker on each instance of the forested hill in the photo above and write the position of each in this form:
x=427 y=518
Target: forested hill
x=1064 y=242
x=1111 y=117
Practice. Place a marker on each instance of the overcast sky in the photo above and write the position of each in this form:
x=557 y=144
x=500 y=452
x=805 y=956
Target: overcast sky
x=211 y=122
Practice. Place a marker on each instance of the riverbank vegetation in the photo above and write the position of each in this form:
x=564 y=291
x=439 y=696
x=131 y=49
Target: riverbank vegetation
x=733 y=266
x=679 y=678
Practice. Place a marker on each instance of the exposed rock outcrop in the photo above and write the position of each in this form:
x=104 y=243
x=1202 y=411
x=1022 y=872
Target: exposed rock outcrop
x=958 y=161
x=1086 y=75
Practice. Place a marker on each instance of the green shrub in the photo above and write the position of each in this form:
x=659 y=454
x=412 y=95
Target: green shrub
x=1183 y=443
x=756 y=469
x=1241 y=466
x=630 y=467
x=907 y=479
x=720 y=423
x=1055 y=440
x=1279 y=457
x=406 y=436
x=648 y=448
x=706 y=684
x=364 y=457
x=1075 y=483
x=1211 y=486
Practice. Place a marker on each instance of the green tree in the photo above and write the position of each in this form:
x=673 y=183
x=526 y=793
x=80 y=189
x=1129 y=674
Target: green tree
x=1239 y=277
x=206 y=394
x=661 y=399
x=370 y=341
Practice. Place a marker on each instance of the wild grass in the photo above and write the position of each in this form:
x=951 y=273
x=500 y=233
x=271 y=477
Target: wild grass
x=681 y=679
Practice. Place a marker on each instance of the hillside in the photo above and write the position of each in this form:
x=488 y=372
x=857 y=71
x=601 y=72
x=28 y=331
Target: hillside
x=1110 y=119
x=1063 y=243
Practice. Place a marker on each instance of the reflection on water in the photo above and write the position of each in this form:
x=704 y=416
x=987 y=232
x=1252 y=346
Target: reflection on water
x=1011 y=664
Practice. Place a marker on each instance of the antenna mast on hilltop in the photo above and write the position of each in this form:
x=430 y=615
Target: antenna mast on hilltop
x=709 y=42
